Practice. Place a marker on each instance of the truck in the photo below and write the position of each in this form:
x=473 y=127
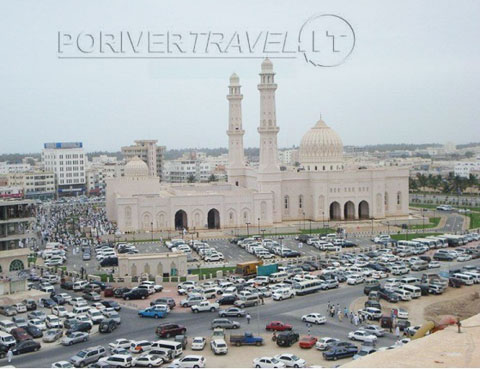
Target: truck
x=205 y=306
x=153 y=312
x=248 y=269
x=245 y=339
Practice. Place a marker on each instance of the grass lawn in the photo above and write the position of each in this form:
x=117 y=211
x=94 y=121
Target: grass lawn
x=301 y=231
x=474 y=220
x=208 y=271
x=432 y=223
x=411 y=236
x=432 y=206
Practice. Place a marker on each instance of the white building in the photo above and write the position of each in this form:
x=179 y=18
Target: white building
x=464 y=168
x=323 y=188
x=99 y=170
x=35 y=184
x=67 y=161
x=7 y=168
x=196 y=166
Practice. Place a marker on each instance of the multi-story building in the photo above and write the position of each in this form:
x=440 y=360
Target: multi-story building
x=35 y=185
x=196 y=166
x=16 y=219
x=98 y=171
x=6 y=168
x=464 y=168
x=149 y=152
x=67 y=161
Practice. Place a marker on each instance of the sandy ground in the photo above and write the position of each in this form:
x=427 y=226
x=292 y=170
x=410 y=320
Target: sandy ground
x=454 y=301
x=242 y=357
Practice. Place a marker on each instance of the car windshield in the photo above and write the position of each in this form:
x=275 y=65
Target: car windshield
x=82 y=354
x=274 y=361
x=294 y=357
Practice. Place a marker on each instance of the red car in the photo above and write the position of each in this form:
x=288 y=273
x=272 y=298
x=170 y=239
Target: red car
x=307 y=342
x=278 y=326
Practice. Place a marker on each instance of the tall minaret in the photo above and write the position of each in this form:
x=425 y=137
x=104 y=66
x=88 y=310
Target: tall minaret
x=235 y=132
x=268 y=120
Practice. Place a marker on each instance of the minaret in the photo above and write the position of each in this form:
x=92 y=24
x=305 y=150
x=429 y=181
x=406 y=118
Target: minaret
x=268 y=120
x=235 y=132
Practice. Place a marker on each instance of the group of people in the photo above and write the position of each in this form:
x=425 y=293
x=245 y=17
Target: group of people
x=68 y=222
x=356 y=318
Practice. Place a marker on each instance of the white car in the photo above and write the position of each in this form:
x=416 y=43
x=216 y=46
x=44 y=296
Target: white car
x=433 y=264
x=464 y=257
x=120 y=343
x=59 y=311
x=219 y=346
x=314 y=318
x=291 y=360
x=62 y=364
x=268 y=362
x=198 y=343
x=84 y=319
x=189 y=361
x=378 y=274
x=21 y=308
x=147 y=360
x=37 y=323
x=323 y=343
x=363 y=336
x=355 y=279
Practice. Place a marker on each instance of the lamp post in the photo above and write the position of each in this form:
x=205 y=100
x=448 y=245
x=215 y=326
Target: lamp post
x=372 y=226
x=423 y=219
x=248 y=232
x=281 y=244
x=388 y=225
x=323 y=219
x=151 y=224
x=263 y=233
x=303 y=221
x=310 y=227
x=258 y=225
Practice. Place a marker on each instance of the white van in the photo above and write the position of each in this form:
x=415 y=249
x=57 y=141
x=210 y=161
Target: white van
x=467 y=279
x=403 y=294
x=7 y=325
x=415 y=291
x=475 y=275
x=77 y=310
x=79 y=285
x=7 y=339
x=176 y=347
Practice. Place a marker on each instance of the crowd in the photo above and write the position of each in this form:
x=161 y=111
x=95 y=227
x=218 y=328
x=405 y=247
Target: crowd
x=68 y=223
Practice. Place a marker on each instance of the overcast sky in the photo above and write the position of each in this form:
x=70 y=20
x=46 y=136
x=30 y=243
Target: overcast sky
x=412 y=77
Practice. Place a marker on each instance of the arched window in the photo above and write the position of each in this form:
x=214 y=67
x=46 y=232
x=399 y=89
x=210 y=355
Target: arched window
x=300 y=201
x=16 y=265
x=286 y=202
x=399 y=198
x=324 y=167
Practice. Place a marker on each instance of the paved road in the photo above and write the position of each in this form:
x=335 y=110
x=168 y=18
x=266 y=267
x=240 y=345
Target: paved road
x=288 y=311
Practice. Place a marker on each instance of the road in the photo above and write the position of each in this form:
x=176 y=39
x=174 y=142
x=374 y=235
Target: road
x=288 y=311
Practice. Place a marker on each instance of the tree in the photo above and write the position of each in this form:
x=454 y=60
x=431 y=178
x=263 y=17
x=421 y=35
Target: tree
x=191 y=178
x=212 y=178
x=469 y=154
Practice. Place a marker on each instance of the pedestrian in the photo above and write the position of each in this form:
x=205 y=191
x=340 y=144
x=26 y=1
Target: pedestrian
x=355 y=320
x=345 y=311
x=248 y=318
x=351 y=317
x=9 y=355
x=397 y=332
x=340 y=316
x=261 y=298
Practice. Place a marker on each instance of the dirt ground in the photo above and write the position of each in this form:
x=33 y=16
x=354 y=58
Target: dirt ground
x=463 y=302
x=242 y=357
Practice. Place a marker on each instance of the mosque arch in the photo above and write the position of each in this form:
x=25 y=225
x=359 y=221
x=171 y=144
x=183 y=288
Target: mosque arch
x=181 y=220
x=349 y=210
x=147 y=221
x=363 y=210
x=335 y=212
x=213 y=219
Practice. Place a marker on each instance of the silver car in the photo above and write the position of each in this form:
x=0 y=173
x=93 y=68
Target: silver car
x=88 y=356
x=74 y=337
x=374 y=329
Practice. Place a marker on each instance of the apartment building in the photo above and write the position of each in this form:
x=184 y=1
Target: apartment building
x=149 y=152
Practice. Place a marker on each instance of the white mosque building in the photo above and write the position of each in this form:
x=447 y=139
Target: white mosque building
x=322 y=189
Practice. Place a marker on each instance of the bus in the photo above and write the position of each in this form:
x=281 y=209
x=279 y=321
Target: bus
x=307 y=286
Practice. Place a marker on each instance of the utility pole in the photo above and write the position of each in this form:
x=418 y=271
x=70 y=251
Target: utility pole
x=248 y=232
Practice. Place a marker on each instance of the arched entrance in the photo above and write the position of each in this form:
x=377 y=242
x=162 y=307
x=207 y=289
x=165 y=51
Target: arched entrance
x=335 y=212
x=181 y=220
x=363 y=210
x=213 y=219
x=349 y=211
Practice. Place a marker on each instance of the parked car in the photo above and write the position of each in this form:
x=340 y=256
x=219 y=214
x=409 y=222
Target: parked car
x=323 y=343
x=225 y=324
x=88 y=356
x=314 y=318
x=340 y=352
x=307 y=342
x=52 y=335
x=107 y=326
x=268 y=362
x=169 y=329
x=287 y=338
x=136 y=294
x=291 y=361
x=72 y=338
x=278 y=326
x=198 y=343
x=25 y=347
x=189 y=361
x=232 y=312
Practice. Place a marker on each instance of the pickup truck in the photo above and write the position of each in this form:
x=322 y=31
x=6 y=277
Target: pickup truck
x=246 y=339
x=205 y=306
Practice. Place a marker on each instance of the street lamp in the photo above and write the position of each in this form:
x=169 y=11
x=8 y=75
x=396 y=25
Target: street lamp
x=263 y=233
x=151 y=224
x=281 y=244
x=323 y=219
x=388 y=225
x=258 y=225
x=248 y=233
x=303 y=220
x=423 y=219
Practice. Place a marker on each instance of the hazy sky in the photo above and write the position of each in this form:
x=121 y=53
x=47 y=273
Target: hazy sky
x=413 y=75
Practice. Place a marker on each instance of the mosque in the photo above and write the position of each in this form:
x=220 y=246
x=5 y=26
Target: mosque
x=323 y=188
